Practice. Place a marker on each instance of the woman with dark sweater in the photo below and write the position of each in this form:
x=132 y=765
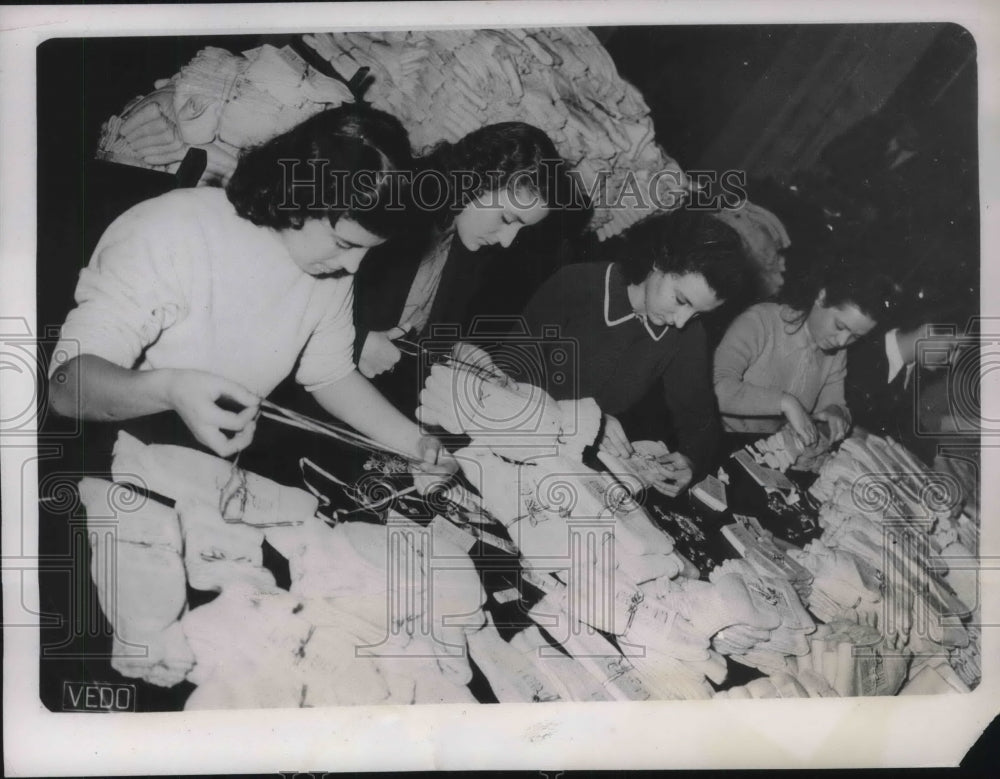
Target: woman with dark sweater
x=634 y=323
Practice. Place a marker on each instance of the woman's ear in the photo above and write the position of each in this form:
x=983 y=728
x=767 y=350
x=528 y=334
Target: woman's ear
x=821 y=299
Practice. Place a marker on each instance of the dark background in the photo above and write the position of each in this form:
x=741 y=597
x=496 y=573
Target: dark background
x=698 y=82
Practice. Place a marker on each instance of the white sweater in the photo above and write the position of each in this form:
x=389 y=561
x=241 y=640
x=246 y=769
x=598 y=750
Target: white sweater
x=181 y=281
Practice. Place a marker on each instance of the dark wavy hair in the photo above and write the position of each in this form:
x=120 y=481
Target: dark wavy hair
x=682 y=242
x=345 y=161
x=490 y=159
x=847 y=276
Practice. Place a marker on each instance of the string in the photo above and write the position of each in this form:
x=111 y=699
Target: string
x=351 y=437
x=483 y=371
x=236 y=486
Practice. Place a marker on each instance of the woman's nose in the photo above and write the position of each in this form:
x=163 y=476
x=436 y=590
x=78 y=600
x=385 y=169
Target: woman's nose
x=508 y=234
x=351 y=259
x=681 y=317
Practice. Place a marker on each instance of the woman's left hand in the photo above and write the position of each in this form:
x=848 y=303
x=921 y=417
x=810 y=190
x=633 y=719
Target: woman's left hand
x=378 y=355
x=436 y=464
x=838 y=420
x=682 y=470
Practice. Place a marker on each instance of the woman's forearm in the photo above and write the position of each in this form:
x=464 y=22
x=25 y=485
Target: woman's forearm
x=90 y=387
x=354 y=400
x=741 y=398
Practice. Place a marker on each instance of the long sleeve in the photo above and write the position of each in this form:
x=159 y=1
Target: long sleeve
x=743 y=344
x=866 y=390
x=687 y=390
x=380 y=289
x=551 y=302
x=832 y=392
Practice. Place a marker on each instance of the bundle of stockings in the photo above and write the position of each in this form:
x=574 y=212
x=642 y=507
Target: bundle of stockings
x=392 y=612
x=897 y=555
x=442 y=85
x=328 y=639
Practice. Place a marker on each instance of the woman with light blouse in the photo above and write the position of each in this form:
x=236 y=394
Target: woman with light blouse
x=785 y=361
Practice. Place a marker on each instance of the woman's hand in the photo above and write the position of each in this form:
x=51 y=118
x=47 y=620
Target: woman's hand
x=839 y=421
x=378 y=355
x=799 y=419
x=194 y=395
x=681 y=468
x=615 y=442
x=436 y=464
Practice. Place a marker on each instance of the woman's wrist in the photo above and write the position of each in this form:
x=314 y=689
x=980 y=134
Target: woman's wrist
x=160 y=386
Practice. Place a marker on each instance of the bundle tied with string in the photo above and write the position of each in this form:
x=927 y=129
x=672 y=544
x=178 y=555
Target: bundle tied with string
x=468 y=394
x=442 y=85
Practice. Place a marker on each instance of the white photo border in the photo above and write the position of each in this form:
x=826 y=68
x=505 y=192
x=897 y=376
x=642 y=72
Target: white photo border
x=910 y=731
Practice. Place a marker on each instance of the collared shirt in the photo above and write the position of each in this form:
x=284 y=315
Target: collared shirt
x=609 y=353
x=895 y=358
x=617 y=300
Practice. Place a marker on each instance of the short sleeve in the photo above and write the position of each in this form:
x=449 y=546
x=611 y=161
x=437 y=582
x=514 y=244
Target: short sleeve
x=134 y=287
x=328 y=355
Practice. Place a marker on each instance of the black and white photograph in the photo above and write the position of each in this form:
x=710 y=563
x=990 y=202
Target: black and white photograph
x=400 y=371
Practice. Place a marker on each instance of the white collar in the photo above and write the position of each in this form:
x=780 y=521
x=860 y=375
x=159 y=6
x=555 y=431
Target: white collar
x=632 y=315
x=893 y=354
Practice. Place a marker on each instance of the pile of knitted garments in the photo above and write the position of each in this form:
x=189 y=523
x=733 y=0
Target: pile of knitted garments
x=958 y=670
x=878 y=477
x=766 y=642
x=967 y=660
x=844 y=659
x=884 y=578
x=764 y=239
x=220 y=102
x=644 y=467
x=138 y=571
x=441 y=85
x=889 y=511
x=769 y=556
x=179 y=473
x=614 y=626
x=516 y=420
x=369 y=618
x=565 y=518
x=785 y=450
x=444 y=84
x=375 y=613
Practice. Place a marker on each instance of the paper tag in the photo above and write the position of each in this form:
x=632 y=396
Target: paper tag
x=765 y=477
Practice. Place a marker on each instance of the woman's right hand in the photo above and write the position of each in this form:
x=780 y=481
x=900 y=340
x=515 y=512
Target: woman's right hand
x=615 y=442
x=799 y=419
x=194 y=395
x=378 y=355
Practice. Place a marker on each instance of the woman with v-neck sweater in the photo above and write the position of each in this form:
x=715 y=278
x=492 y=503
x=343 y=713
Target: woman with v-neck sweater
x=634 y=323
